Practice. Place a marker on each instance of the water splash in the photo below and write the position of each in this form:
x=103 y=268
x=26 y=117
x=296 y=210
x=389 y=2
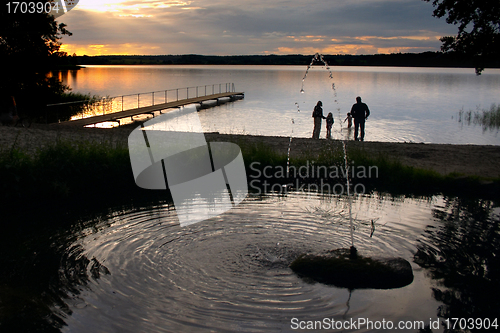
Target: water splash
x=290 y=144
x=346 y=166
x=319 y=58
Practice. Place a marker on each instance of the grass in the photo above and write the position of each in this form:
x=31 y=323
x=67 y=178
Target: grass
x=487 y=119
x=79 y=103
x=66 y=175
x=261 y=153
x=75 y=97
x=390 y=176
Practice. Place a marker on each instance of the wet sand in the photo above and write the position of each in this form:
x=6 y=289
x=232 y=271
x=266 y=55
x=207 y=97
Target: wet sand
x=468 y=160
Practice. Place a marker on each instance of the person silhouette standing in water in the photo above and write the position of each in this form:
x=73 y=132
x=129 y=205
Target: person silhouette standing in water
x=349 y=120
x=329 y=124
x=360 y=113
x=318 y=116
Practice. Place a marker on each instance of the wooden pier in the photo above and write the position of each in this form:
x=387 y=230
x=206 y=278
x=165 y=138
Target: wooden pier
x=116 y=116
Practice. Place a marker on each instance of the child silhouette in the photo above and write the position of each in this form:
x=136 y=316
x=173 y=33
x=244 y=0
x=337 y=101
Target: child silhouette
x=329 y=124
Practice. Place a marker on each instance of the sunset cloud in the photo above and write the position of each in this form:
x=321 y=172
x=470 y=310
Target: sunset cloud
x=224 y=27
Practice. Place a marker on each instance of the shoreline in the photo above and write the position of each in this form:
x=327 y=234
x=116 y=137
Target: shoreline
x=481 y=161
x=445 y=159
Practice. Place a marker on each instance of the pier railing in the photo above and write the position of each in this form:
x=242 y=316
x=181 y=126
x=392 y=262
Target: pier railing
x=106 y=105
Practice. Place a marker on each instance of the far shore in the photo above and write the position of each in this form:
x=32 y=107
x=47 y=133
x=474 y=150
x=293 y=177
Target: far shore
x=424 y=59
x=460 y=160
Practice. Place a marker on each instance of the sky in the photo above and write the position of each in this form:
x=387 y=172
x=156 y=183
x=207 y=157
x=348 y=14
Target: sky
x=252 y=27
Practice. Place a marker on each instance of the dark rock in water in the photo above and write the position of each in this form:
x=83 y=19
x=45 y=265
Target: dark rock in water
x=339 y=268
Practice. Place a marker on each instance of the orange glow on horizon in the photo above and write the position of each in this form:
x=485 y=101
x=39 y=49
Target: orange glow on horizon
x=130 y=49
x=355 y=49
x=110 y=49
x=315 y=44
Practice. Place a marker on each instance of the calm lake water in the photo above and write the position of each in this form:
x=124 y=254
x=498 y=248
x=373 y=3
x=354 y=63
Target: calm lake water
x=407 y=104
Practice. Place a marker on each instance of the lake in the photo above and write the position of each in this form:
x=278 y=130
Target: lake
x=406 y=104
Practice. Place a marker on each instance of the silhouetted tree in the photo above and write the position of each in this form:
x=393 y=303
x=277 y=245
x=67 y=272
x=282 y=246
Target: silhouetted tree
x=29 y=48
x=478 y=28
x=462 y=254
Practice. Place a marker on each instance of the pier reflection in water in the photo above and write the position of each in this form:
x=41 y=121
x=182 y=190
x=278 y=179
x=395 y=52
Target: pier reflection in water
x=138 y=270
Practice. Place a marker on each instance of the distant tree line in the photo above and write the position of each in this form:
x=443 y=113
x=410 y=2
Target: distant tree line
x=425 y=59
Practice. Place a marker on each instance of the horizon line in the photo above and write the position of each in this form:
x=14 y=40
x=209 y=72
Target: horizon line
x=251 y=55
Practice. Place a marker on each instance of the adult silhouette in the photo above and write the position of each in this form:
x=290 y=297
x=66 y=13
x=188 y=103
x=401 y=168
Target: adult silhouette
x=360 y=113
x=318 y=116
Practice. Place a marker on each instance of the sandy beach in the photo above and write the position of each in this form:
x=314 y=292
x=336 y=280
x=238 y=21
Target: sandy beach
x=468 y=160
